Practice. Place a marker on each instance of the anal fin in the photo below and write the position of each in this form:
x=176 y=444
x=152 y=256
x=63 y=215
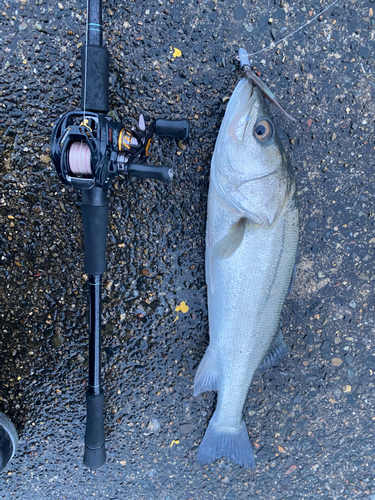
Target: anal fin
x=206 y=378
x=277 y=351
x=293 y=275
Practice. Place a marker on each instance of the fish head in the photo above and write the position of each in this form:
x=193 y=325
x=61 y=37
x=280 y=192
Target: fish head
x=250 y=168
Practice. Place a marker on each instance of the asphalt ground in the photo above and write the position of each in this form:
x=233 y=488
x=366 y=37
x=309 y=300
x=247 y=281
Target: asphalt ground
x=311 y=419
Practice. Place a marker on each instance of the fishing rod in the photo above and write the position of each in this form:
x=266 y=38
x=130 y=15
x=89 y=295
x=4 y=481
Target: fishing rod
x=88 y=149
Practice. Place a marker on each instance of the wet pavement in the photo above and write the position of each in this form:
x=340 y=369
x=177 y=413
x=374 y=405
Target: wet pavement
x=311 y=420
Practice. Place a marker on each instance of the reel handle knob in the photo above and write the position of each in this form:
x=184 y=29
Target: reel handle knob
x=179 y=129
x=143 y=171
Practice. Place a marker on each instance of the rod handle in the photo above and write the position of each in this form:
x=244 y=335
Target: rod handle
x=94 y=210
x=143 y=171
x=179 y=129
x=95 y=455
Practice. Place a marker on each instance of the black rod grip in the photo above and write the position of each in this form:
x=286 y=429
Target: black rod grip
x=179 y=129
x=95 y=83
x=95 y=455
x=143 y=171
x=94 y=210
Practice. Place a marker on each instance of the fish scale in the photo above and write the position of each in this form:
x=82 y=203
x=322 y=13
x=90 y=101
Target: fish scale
x=251 y=243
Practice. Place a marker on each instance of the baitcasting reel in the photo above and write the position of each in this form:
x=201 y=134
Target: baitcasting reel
x=88 y=149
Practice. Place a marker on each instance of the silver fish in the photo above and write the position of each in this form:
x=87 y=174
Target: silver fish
x=251 y=245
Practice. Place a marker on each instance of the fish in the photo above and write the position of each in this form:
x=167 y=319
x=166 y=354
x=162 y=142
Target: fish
x=252 y=236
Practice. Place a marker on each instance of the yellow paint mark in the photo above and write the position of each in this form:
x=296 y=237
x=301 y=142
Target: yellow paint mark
x=176 y=52
x=174 y=442
x=174 y=321
x=348 y=389
x=183 y=307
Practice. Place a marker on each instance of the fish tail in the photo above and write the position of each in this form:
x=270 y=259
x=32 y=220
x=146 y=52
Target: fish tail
x=206 y=376
x=220 y=441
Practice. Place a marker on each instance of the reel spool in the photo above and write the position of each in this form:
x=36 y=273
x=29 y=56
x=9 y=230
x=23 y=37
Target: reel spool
x=80 y=159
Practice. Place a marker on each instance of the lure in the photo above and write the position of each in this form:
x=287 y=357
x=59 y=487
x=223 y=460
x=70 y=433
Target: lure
x=245 y=65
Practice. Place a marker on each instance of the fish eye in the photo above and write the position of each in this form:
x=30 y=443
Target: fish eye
x=263 y=130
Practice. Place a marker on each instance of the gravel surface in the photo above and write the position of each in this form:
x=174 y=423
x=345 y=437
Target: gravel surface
x=311 y=419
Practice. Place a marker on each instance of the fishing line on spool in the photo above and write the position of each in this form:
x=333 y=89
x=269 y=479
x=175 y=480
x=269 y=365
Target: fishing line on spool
x=80 y=159
x=275 y=44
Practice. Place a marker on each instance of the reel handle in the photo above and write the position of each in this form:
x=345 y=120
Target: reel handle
x=143 y=171
x=95 y=455
x=179 y=129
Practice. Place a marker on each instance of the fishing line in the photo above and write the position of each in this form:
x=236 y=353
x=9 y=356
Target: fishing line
x=275 y=44
x=87 y=43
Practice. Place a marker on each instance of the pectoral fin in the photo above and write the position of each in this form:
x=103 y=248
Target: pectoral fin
x=225 y=247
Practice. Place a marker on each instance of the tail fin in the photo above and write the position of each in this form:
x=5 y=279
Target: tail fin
x=206 y=376
x=220 y=441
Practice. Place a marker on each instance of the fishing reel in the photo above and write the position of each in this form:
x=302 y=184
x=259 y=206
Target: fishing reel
x=88 y=149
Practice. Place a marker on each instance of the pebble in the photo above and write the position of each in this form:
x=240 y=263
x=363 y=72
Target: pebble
x=153 y=427
x=187 y=428
x=57 y=341
x=336 y=361
x=291 y=469
x=363 y=276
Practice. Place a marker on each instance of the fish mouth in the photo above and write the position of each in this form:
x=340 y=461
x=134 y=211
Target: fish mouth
x=241 y=115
